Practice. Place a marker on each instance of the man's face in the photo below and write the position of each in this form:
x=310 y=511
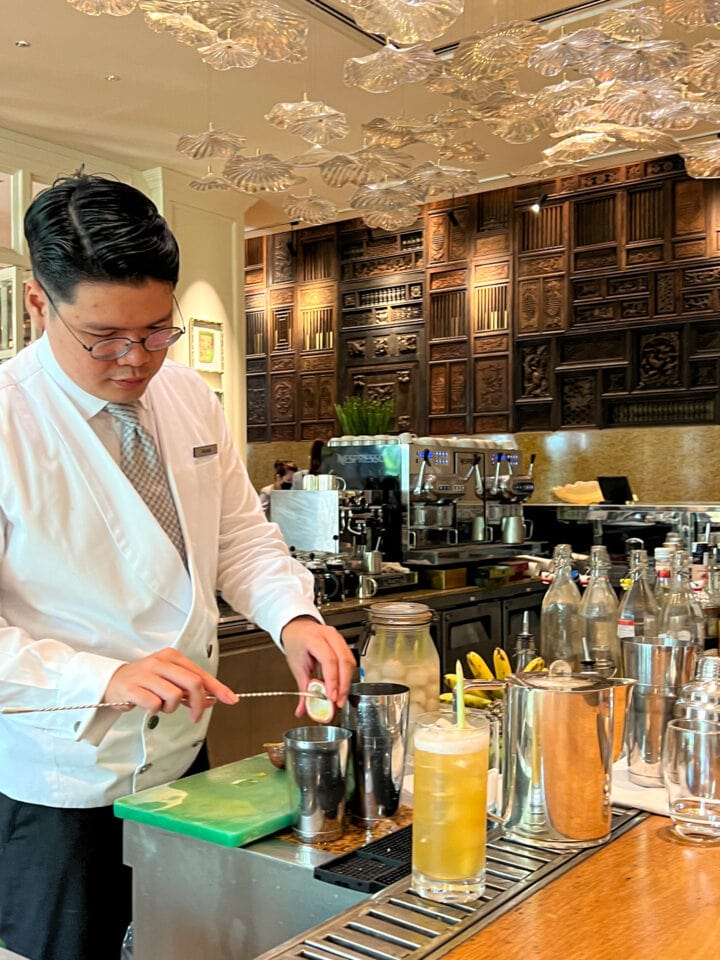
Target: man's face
x=102 y=310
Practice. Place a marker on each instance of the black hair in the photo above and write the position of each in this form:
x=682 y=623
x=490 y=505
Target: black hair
x=87 y=228
x=316 y=456
x=282 y=466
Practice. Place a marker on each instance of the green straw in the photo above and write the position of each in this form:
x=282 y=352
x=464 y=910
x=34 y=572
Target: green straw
x=459 y=695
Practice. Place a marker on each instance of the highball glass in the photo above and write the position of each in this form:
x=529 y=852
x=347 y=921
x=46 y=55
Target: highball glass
x=691 y=771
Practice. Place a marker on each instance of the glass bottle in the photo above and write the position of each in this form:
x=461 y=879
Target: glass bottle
x=525 y=650
x=401 y=650
x=681 y=617
x=599 y=612
x=700 y=699
x=560 y=620
x=711 y=607
x=663 y=578
x=638 y=613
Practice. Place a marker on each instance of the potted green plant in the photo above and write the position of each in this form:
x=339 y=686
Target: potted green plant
x=358 y=416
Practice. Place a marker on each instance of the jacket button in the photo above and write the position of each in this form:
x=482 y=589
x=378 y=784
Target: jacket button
x=144 y=768
x=209 y=650
x=153 y=722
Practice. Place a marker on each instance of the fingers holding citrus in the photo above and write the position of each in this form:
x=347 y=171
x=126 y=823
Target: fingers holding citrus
x=318 y=707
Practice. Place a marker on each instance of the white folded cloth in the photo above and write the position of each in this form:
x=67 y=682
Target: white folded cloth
x=627 y=794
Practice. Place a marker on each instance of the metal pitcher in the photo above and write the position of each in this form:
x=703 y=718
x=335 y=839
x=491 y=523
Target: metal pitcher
x=558 y=740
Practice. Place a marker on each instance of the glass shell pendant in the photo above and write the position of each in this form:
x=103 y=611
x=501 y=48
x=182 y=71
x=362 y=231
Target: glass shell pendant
x=263 y=172
x=311 y=209
x=390 y=68
x=406 y=21
x=95 y=8
x=209 y=143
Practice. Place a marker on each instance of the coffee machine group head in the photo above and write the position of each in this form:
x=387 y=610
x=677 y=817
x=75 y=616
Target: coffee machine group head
x=507 y=490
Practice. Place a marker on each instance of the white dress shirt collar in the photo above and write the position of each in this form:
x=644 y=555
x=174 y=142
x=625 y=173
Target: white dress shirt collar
x=87 y=404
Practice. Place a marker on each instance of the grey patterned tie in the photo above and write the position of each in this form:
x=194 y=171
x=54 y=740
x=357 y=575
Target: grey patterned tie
x=141 y=464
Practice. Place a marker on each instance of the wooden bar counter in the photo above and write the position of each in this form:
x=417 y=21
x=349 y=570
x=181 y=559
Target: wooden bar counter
x=645 y=896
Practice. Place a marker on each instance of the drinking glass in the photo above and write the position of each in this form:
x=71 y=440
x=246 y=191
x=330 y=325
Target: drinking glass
x=691 y=771
x=316 y=759
x=449 y=808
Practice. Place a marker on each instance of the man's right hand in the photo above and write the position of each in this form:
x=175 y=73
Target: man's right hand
x=164 y=681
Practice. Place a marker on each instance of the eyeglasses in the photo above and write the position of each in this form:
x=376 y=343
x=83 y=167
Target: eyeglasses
x=113 y=348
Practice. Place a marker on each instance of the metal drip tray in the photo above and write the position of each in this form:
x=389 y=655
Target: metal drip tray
x=396 y=922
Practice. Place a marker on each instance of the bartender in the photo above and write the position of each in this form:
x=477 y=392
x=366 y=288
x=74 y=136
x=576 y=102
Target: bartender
x=124 y=507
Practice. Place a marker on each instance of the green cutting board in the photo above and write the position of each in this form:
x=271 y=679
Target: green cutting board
x=230 y=805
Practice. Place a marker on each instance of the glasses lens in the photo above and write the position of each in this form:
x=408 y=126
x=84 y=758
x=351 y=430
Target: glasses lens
x=117 y=347
x=161 y=339
x=111 y=349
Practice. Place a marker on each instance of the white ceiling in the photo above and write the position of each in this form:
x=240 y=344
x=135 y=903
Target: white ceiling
x=56 y=90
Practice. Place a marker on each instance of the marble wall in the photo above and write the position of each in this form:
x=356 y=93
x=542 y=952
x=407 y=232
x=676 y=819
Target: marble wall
x=663 y=464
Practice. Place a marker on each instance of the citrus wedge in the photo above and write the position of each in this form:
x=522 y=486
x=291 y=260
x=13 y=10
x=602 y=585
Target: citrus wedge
x=319 y=708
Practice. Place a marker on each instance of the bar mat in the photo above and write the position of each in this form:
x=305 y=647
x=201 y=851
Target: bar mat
x=372 y=867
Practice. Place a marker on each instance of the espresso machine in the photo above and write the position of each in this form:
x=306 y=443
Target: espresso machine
x=506 y=492
x=429 y=499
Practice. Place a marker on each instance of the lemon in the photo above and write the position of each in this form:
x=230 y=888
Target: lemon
x=319 y=708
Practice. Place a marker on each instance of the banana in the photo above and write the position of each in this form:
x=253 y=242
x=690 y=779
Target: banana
x=471 y=699
x=535 y=665
x=501 y=662
x=478 y=668
x=450 y=680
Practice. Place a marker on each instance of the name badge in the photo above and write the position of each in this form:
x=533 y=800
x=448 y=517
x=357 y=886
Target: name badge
x=205 y=451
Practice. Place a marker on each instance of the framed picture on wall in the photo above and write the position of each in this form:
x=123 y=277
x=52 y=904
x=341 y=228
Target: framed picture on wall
x=206 y=345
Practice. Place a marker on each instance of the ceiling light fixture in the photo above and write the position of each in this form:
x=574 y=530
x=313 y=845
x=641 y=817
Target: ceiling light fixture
x=22 y=44
x=112 y=77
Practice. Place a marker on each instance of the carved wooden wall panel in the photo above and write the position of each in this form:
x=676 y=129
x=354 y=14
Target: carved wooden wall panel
x=318 y=257
x=689 y=208
x=318 y=328
x=398 y=382
x=659 y=361
x=281 y=328
x=317 y=397
x=282 y=255
x=542 y=230
x=603 y=309
x=494 y=212
x=256 y=332
x=383 y=304
x=447 y=233
x=282 y=363
x=491 y=385
x=257 y=408
x=282 y=399
x=382 y=295
x=646 y=214
x=255 y=263
x=658 y=412
x=578 y=400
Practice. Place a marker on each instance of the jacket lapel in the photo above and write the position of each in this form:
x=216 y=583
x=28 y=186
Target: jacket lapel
x=138 y=536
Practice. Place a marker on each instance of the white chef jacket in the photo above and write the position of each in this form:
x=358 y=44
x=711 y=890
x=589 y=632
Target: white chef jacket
x=89 y=580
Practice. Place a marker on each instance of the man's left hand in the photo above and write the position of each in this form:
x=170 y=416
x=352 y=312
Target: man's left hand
x=309 y=644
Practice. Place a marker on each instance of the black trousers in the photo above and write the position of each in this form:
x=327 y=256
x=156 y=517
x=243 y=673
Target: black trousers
x=65 y=893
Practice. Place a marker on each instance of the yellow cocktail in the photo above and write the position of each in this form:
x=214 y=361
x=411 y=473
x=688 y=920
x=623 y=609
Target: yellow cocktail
x=449 y=808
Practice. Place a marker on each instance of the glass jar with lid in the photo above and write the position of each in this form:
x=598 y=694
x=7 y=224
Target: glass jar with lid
x=399 y=649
